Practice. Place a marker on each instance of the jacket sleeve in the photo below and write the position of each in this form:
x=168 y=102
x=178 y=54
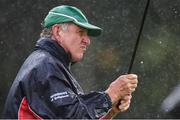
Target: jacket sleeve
x=50 y=96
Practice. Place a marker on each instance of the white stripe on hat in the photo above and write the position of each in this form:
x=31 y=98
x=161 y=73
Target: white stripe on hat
x=64 y=15
x=94 y=27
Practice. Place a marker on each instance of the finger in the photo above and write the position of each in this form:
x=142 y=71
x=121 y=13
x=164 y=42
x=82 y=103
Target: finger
x=133 y=89
x=125 y=108
x=133 y=81
x=127 y=97
x=133 y=86
x=131 y=76
x=127 y=80
x=124 y=104
x=129 y=85
x=130 y=88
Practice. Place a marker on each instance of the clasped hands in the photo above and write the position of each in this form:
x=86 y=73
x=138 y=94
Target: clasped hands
x=120 y=91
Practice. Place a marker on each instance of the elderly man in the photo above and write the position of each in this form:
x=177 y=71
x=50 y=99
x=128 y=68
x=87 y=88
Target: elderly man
x=45 y=87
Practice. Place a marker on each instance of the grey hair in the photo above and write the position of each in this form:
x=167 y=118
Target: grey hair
x=47 y=32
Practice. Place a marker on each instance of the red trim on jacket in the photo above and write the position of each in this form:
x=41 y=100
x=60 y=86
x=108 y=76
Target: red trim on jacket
x=25 y=112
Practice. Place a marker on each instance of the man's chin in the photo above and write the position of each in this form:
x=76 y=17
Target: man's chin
x=77 y=59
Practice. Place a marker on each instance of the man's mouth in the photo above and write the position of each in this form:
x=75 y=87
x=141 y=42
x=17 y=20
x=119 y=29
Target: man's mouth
x=83 y=48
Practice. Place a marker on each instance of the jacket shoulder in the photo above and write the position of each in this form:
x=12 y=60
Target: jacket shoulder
x=41 y=64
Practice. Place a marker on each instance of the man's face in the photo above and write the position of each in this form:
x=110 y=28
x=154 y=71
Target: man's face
x=75 y=41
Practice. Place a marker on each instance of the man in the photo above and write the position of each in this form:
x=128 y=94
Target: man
x=45 y=87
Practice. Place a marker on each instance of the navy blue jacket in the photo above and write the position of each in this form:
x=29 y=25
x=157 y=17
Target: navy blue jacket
x=45 y=88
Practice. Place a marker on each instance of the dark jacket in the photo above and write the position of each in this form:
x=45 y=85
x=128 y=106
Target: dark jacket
x=45 y=88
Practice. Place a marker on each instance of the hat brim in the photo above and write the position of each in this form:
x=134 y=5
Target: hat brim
x=92 y=29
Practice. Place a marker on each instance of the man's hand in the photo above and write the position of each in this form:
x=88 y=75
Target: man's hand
x=121 y=87
x=120 y=93
x=123 y=106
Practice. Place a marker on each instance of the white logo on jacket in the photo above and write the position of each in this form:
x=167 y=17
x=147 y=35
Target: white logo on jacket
x=59 y=96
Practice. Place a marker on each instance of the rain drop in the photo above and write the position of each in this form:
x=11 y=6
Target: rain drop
x=176 y=12
x=1 y=42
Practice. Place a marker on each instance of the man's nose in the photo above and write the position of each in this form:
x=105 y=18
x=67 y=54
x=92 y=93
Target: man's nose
x=86 y=39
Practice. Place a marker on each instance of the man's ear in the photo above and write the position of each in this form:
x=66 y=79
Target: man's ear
x=56 y=30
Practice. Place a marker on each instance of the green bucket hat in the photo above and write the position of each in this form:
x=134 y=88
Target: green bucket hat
x=65 y=13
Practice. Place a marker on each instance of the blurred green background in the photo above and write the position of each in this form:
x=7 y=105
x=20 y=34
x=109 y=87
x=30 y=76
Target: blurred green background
x=156 y=63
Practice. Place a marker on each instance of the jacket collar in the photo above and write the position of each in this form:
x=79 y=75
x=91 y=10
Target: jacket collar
x=54 y=49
